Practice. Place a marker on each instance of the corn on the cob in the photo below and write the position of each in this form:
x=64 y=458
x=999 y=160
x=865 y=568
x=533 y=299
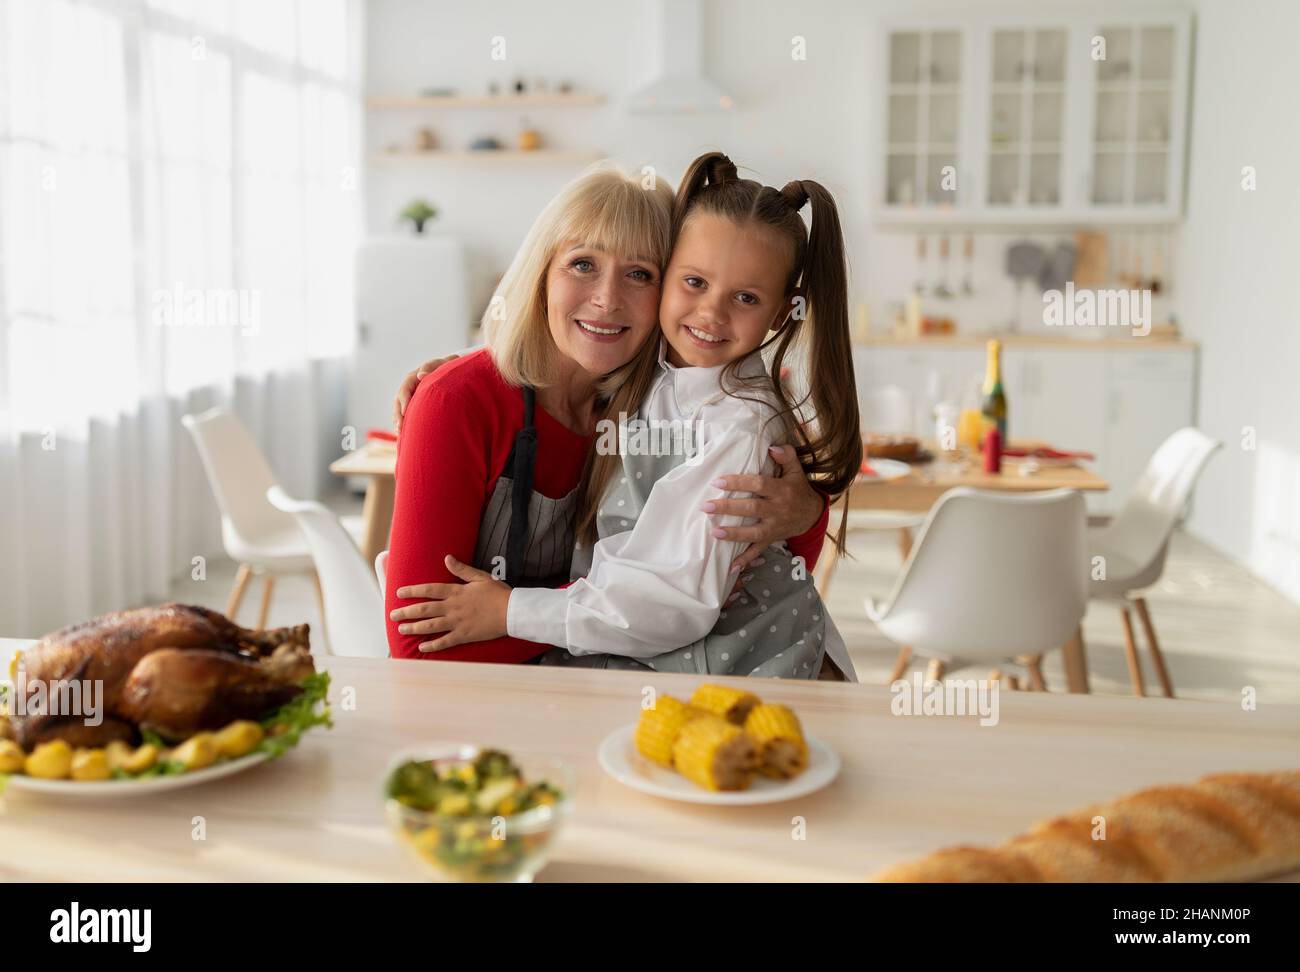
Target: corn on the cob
x=714 y=754
x=781 y=746
x=659 y=726
x=731 y=703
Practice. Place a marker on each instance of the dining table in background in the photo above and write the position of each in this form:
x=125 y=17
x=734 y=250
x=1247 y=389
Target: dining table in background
x=376 y=461
x=909 y=784
x=921 y=488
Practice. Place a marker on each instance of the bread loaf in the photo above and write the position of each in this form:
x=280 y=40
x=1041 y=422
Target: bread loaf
x=1226 y=827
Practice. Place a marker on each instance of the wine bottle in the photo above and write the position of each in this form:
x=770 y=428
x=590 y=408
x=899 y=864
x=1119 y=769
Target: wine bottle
x=994 y=406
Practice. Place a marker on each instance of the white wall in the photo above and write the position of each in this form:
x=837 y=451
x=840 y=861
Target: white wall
x=1238 y=269
x=1234 y=259
x=810 y=119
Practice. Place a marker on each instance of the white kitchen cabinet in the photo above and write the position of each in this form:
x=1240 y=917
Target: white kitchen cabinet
x=1059 y=117
x=1149 y=396
x=1117 y=402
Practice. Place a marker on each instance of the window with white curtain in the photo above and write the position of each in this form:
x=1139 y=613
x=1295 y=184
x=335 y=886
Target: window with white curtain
x=179 y=207
x=179 y=197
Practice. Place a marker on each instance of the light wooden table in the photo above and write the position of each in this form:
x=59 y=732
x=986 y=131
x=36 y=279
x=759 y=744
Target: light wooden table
x=377 y=461
x=909 y=784
x=921 y=488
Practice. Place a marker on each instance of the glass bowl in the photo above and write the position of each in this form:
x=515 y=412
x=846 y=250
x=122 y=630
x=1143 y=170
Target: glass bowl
x=478 y=847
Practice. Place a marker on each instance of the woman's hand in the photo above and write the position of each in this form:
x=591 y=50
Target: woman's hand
x=411 y=382
x=784 y=506
x=473 y=611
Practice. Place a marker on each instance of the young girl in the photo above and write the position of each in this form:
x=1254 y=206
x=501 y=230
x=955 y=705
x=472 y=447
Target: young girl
x=745 y=275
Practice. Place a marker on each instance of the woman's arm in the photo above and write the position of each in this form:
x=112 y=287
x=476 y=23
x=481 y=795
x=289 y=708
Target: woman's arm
x=781 y=506
x=442 y=480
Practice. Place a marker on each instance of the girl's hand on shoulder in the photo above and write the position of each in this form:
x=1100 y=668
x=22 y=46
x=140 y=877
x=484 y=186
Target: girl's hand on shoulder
x=411 y=382
x=782 y=506
x=462 y=613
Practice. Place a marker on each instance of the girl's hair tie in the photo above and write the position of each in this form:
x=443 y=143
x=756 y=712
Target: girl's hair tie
x=795 y=194
x=721 y=169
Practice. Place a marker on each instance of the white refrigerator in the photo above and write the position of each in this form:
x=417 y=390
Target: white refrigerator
x=411 y=305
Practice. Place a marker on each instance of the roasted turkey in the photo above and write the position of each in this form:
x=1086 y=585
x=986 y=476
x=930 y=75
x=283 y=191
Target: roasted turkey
x=173 y=669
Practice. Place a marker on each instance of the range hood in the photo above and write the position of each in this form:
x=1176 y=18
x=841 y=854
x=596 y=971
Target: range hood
x=679 y=84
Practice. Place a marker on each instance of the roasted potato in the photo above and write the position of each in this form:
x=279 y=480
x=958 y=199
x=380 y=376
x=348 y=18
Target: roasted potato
x=12 y=756
x=89 y=765
x=141 y=759
x=198 y=751
x=118 y=753
x=238 y=739
x=49 y=761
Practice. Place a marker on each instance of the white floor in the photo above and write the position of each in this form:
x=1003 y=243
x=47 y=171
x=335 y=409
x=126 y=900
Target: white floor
x=1221 y=629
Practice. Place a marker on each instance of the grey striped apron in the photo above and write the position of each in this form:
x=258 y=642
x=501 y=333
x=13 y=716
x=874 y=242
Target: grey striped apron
x=525 y=538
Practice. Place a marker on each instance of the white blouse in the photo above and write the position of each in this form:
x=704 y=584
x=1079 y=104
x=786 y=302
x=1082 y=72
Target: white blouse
x=661 y=584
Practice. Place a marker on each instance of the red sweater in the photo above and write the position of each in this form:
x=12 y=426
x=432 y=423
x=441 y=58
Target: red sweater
x=457 y=433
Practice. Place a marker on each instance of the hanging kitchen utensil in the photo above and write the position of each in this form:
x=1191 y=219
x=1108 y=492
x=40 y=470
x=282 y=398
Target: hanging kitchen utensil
x=941 y=289
x=1092 y=260
x=1024 y=260
x=967 y=256
x=919 y=287
x=1058 y=268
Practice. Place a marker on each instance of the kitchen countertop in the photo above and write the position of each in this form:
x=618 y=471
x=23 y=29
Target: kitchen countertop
x=909 y=784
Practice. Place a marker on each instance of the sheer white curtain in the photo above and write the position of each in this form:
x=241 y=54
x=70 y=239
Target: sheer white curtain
x=179 y=205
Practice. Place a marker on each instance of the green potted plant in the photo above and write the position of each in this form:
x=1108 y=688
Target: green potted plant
x=419 y=212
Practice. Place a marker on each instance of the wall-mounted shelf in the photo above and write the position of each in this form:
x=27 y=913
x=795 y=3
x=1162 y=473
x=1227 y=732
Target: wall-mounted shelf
x=484 y=101
x=535 y=156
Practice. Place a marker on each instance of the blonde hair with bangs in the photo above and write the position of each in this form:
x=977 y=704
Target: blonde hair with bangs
x=604 y=208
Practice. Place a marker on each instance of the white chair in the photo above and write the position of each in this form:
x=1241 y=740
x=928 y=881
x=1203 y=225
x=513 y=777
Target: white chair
x=259 y=538
x=994 y=577
x=884 y=410
x=381 y=568
x=1133 y=546
x=352 y=604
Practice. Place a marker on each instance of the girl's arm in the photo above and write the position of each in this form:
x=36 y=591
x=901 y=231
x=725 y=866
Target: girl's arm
x=442 y=481
x=660 y=585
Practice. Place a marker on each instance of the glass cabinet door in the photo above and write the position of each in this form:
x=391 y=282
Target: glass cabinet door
x=923 y=124
x=1026 y=120
x=1132 y=116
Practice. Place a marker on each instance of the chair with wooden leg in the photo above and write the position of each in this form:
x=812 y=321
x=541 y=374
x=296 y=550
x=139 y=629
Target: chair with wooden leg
x=1128 y=555
x=995 y=578
x=262 y=540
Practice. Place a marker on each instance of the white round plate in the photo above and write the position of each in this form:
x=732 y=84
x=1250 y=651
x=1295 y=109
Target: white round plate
x=886 y=471
x=618 y=757
x=131 y=788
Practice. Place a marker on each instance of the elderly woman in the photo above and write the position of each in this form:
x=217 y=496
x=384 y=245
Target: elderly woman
x=493 y=445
